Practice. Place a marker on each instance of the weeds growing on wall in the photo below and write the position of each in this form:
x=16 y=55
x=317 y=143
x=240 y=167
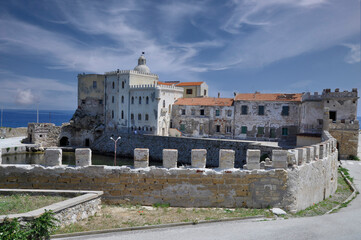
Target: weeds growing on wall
x=37 y=229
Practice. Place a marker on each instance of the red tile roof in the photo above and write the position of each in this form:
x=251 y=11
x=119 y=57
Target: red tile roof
x=207 y=101
x=164 y=83
x=284 y=97
x=189 y=84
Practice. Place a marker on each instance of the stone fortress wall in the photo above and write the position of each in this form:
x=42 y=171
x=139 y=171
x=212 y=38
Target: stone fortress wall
x=292 y=179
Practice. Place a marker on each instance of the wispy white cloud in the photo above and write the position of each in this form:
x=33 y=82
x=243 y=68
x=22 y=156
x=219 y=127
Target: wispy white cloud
x=25 y=97
x=354 y=53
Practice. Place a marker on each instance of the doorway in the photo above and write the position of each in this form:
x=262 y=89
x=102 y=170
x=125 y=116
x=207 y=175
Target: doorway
x=333 y=115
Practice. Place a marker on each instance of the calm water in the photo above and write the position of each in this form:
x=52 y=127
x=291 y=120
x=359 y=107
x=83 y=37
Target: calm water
x=21 y=117
x=68 y=159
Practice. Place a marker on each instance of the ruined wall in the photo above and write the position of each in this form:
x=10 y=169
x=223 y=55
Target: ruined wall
x=347 y=134
x=44 y=134
x=7 y=132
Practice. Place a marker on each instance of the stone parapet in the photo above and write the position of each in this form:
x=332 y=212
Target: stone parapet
x=83 y=157
x=199 y=158
x=170 y=158
x=226 y=158
x=279 y=159
x=53 y=157
x=141 y=157
x=253 y=159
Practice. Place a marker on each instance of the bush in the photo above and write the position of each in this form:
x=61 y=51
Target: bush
x=37 y=229
x=352 y=157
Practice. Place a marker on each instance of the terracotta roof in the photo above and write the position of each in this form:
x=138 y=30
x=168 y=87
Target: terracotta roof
x=164 y=83
x=208 y=101
x=284 y=97
x=189 y=84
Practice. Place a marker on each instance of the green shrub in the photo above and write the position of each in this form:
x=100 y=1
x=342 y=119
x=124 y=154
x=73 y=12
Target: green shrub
x=37 y=229
x=352 y=157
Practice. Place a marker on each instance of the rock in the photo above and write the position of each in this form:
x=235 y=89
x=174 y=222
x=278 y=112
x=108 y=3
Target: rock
x=278 y=211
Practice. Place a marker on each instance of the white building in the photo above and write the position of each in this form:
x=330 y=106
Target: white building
x=135 y=100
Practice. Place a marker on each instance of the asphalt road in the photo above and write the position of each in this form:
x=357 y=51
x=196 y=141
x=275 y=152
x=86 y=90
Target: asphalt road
x=342 y=225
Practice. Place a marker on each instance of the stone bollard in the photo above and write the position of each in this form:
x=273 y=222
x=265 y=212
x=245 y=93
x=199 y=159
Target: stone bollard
x=199 y=158
x=322 y=151
x=226 y=158
x=170 y=158
x=53 y=156
x=309 y=154
x=141 y=157
x=253 y=159
x=301 y=156
x=83 y=157
x=316 y=151
x=279 y=158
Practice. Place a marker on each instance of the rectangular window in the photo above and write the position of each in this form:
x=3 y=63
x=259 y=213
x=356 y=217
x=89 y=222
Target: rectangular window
x=272 y=133
x=285 y=110
x=202 y=112
x=182 y=127
x=244 y=129
x=217 y=112
x=260 y=130
x=139 y=116
x=244 y=110
x=205 y=92
x=183 y=112
x=284 y=131
x=94 y=84
x=100 y=101
x=218 y=128
x=189 y=91
x=228 y=129
x=229 y=113
x=193 y=112
x=260 y=110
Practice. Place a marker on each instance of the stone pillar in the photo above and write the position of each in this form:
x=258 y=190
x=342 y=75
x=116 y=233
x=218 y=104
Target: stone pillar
x=141 y=157
x=309 y=154
x=279 y=159
x=199 y=158
x=253 y=159
x=316 y=151
x=170 y=158
x=328 y=144
x=326 y=119
x=301 y=156
x=292 y=157
x=226 y=158
x=322 y=151
x=83 y=157
x=53 y=156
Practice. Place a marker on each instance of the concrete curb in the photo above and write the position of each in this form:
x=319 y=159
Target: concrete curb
x=77 y=234
x=351 y=197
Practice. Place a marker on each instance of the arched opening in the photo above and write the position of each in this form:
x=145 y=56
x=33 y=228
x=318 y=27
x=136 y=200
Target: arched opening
x=64 y=141
x=87 y=142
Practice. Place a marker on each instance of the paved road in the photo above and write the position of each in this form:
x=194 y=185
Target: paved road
x=342 y=225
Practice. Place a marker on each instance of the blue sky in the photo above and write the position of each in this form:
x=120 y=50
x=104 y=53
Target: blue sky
x=235 y=46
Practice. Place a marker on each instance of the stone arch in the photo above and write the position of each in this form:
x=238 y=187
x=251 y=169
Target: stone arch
x=64 y=141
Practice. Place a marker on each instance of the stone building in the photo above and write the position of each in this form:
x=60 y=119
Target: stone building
x=204 y=117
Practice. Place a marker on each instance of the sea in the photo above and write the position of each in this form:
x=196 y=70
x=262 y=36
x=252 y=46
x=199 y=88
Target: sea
x=21 y=117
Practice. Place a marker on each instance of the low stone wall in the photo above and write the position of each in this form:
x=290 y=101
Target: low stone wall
x=68 y=211
x=156 y=144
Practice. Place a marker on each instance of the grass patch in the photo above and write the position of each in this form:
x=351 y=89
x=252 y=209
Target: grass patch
x=21 y=203
x=346 y=173
x=342 y=193
x=123 y=216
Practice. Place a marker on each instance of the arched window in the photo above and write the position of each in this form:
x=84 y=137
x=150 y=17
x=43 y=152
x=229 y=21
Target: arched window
x=151 y=129
x=147 y=100
x=112 y=99
x=139 y=116
x=122 y=99
x=113 y=85
x=140 y=100
x=139 y=128
x=123 y=84
x=131 y=128
x=164 y=103
x=113 y=114
x=146 y=129
x=132 y=116
x=146 y=117
x=122 y=114
x=132 y=100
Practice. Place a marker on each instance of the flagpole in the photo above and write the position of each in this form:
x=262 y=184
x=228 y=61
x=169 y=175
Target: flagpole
x=2 y=109
x=37 y=113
